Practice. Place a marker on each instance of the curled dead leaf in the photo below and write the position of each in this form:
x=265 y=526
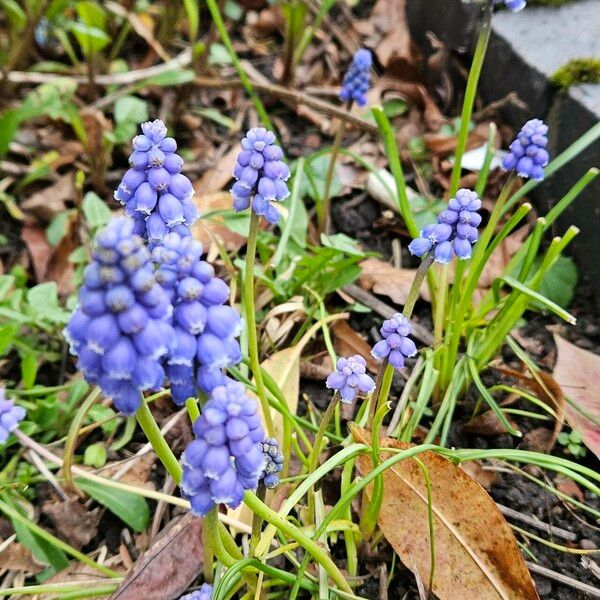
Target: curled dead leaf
x=382 y=278
x=167 y=569
x=73 y=522
x=577 y=372
x=488 y=558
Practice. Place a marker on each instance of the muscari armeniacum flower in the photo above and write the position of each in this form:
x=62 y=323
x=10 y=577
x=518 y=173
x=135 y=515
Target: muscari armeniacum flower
x=350 y=378
x=154 y=191
x=395 y=345
x=120 y=331
x=273 y=462
x=513 y=5
x=204 y=593
x=206 y=327
x=528 y=154
x=357 y=78
x=454 y=233
x=227 y=457
x=10 y=416
x=260 y=175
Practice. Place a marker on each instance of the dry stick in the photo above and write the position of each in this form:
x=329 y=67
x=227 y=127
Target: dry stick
x=31 y=444
x=386 y=311
x=564 y=579
x=532 y=520
x=38 y=463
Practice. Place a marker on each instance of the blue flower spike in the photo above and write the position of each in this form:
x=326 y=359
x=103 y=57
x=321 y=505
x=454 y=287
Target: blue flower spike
x=206 y=326
x=273 y=462
x=260 y=175
x=350 y=378
x=528 y=154
x=357 y=79
x=454 y=233
x=153 y=191
x=227 y=457
x=396 y=346
x=121 y=329
x=204 y=593
x=10 y=416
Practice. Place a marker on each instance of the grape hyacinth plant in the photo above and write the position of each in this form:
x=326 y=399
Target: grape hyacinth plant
x=10 y=416
x=153 y=191
x=350 y=378
x=260 y=175
x=528 y=154
x=395 y=346
x=205 y=326
x=455 y=231
x=226 y=458
x=357 y=79
x=121 y=330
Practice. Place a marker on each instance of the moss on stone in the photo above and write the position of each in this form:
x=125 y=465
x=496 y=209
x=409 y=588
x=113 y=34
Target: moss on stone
x=579 y=70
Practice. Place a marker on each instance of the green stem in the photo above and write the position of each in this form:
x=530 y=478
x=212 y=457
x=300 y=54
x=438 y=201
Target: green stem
x=213 y=537
x=72 y=436
x=208 y=557
x=323 y=210
x=158 y=442
x=290 y=530
x=192 y=407
x=413 y=293
x=63 y=588
x=213 y=7
x=257 y=521
x=316 y=449
x=248 y=292
x=470 y=94
x=15 y=515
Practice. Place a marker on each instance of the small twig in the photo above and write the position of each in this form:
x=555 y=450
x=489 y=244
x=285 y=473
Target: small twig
x=168 y=489
x=564 y=579
x=38 y=463
x=532 y=520
x=386 y=311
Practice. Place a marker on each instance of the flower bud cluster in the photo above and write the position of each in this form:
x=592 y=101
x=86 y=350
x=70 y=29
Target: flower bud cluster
x=226 y=458
x=357 y=79
x=205 y=327
x=121 y=329
x=10 y=416
x=204 y=593
x=455 y=231
x=395 y=345
x=154 y=191
x=273 y=462
x=350 y=378
x=260 y=175
x=528 y=154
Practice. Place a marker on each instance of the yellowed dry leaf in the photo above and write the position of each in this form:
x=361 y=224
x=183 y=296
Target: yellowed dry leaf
x=577 y=371
x=17 y=557
x=476 y=552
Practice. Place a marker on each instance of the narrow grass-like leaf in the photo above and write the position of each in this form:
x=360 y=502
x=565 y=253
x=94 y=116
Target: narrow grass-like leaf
x=131 y=508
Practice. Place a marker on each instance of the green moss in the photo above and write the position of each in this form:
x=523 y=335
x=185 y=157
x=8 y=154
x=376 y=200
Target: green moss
x=579 y=70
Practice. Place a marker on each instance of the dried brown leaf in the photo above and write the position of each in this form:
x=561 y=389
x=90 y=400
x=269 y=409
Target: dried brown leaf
x=17 y=557
x=577 y=371
x=474 y=469
x=50 y=201
x=348 y=342
x=216 y=178
x=487 y=423
x=167 y=569
x=73 y=522
x=382 y=278
x=38 y=249
x=471 y=561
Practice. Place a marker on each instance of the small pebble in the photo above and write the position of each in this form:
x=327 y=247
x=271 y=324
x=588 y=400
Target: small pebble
x=587 y=545
x=585 y=344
